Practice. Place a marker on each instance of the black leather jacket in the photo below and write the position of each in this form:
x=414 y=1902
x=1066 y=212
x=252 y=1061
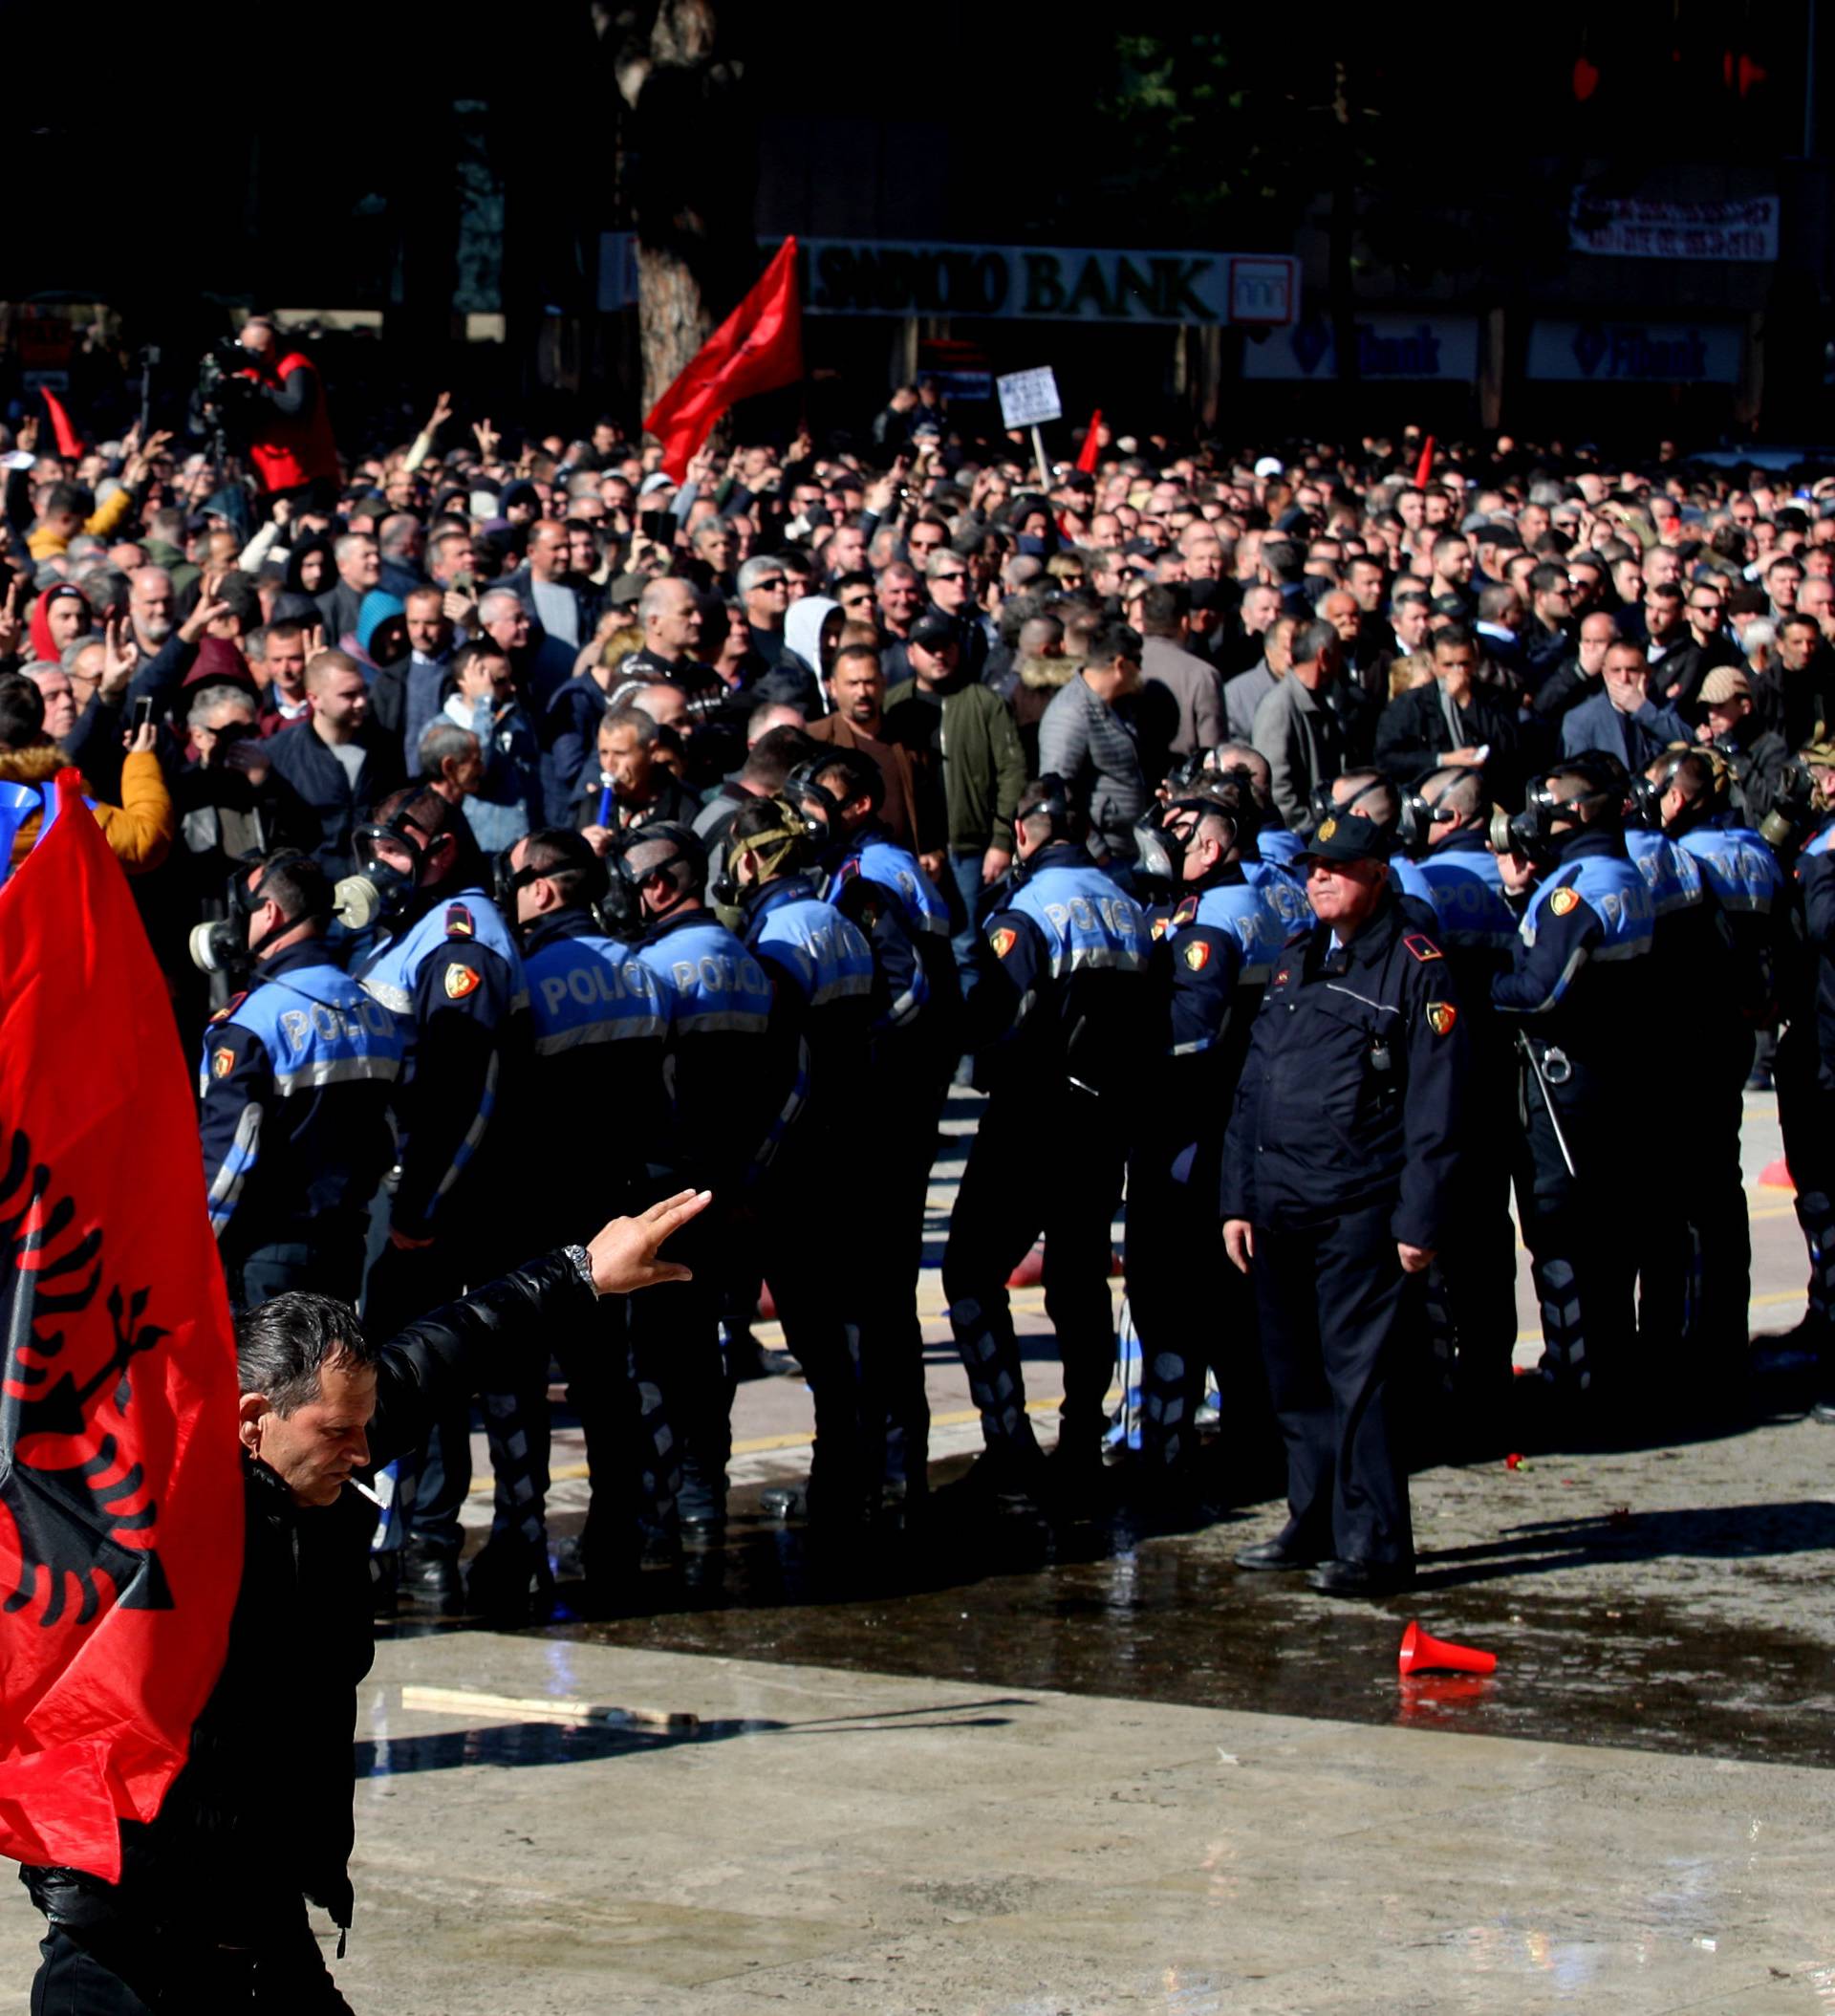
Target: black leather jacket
x=261 y=1813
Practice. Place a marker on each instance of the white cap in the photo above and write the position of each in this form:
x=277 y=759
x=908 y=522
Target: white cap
x=1268 y=465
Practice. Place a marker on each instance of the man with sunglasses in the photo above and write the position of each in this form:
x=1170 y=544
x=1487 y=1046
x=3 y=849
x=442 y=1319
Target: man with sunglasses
x=947 y=577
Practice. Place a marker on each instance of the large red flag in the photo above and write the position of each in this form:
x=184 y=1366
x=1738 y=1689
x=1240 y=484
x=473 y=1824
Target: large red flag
x=121 y=1493
x=69 y=443
x=1092 y=448
x=756 y=348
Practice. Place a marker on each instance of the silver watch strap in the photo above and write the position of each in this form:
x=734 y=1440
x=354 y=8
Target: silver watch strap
x=582 y=1259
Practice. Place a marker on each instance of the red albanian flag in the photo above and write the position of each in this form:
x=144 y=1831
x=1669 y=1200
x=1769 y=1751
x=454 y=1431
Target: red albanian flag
x=1092 y=448
x=121 y=1492
x=756 y=348
x=69 y=443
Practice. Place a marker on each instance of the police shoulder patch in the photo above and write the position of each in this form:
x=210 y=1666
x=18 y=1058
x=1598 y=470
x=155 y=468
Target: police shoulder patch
x=235 y=1001
x=222 y=1063
x=1423 y=948
x=1563 y=901
x=1186 y=913
x=849 y=870
x=1003 y=941
x=1441 y=1016
x=1198 y=954
x=1158 y=930
x=461 y=980
x=459 y=924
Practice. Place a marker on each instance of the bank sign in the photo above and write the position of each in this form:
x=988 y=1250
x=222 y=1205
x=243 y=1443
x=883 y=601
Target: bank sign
x=1046 y=283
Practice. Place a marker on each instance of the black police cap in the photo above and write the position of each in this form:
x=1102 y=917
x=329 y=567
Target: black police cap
x=1350 y=836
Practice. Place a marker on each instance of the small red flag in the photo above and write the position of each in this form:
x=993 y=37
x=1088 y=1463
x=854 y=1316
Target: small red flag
x=69 y=443
x=1426 y=468
x=756 y=348
x=121 y=1492
x=1091 y=447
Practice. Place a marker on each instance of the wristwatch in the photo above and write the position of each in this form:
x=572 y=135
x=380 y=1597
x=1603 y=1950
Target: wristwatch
x=583 y=1262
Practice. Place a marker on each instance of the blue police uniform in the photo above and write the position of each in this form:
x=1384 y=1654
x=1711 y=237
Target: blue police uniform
x=715 y=999
x=1689 y=980
x=453 y=977
x=821 y=970
x=1741 y=879
x=1213 y=952
x=293 y=1095
x=915 y=1042
x=1806 y=1076
x=1343 y=1144
x=597 y=1025
x=1471 y=1287
x=1065 y=1003
x=1578 y=997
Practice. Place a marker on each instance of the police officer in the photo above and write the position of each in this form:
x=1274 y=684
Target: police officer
x=914 y=1042
x=1690 y=960
x=1213 y=949
x=450 y=972
x=1472 y=1286
x=1062 y=1014
x=716 y=1004
x=1274 y=841
x=1577 y=995
x=1742 y=875
x=295 y=1091
x=1807 y=1066
x=1338 y=1166
x=597 y=1027
x=821 y=971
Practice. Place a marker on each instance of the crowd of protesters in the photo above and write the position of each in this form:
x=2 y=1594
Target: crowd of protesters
x=1187 y=666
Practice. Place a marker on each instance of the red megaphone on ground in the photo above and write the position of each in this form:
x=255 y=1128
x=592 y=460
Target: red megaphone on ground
x=1421 y=1654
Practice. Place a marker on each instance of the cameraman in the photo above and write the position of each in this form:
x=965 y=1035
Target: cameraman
x=276 y=404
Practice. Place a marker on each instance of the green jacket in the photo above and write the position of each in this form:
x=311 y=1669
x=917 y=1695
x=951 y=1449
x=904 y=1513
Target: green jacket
x=984 y=764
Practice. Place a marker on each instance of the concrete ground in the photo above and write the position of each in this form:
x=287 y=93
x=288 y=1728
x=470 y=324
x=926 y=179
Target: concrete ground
x=1036 y=1769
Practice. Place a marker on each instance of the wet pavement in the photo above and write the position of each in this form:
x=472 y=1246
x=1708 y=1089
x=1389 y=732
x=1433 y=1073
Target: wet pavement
x=996 y=1763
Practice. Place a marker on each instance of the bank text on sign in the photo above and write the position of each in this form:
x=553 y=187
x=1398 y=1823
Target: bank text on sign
x=1046 y=283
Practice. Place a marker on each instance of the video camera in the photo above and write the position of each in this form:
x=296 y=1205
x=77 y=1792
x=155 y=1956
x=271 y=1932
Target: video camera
x=220 y=370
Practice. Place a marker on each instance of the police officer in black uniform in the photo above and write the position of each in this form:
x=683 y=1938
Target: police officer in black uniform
x=450 y=972
x=716 y=1005
x=1215 y=941
x=916 y=1038
x=596 y=1024
x=1806 y=1051
x=1577 y=996
x=1061 y=1012
x=1338 y=1169
x=821 y=971
x=1741 y=879
x=294 y=1090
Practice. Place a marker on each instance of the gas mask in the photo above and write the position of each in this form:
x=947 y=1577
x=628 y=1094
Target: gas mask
x=224 y=946
x=377 y=889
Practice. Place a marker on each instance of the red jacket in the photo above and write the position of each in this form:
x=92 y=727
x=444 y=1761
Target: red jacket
x=298 y=448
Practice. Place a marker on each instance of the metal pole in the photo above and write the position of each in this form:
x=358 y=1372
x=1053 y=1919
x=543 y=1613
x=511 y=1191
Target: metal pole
x=1037 y=449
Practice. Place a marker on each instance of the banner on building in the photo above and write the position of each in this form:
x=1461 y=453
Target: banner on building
x=1390 y=347
x=1634 y=228
x=1635 y=353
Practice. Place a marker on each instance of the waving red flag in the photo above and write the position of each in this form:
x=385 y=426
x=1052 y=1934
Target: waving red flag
x=756 y=348
x=68 y=441
x=1426 y=468
x=120 y=1495
x=1092 y=446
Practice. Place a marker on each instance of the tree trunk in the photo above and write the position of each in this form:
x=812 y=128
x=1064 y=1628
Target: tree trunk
x=692 y=158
